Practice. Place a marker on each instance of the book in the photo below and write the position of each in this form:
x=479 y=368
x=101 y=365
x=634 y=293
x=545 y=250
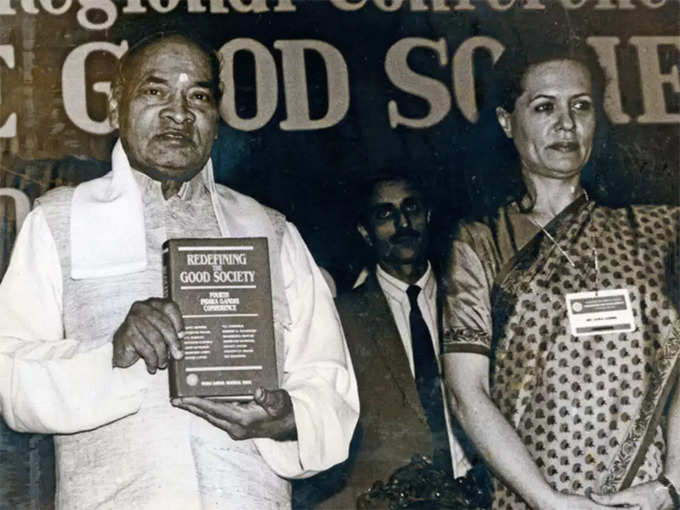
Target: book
x=223 y=290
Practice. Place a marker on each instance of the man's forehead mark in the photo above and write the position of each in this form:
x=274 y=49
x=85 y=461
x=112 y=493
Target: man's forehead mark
x=184 y=79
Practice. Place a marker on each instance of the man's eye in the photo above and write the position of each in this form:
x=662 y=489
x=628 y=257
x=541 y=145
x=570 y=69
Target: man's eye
x=202 y=97
x=383 y=213
x=543 y=108
x=153 y=92
x=411 y=205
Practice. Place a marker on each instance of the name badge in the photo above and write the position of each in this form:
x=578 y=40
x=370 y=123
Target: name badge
x=601 y=312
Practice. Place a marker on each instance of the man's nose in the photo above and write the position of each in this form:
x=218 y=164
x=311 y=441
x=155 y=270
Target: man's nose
x=402 y=219
x=178 y=110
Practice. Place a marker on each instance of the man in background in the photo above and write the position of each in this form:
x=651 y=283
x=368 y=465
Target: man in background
x=391 y=322
x=84 y=335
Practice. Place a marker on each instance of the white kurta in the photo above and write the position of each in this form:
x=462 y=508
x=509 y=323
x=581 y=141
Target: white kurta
x=122 y=444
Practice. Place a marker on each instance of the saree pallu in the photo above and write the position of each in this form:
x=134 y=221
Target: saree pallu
x=588 y=409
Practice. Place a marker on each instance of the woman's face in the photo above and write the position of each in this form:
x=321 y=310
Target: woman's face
x=553 y=123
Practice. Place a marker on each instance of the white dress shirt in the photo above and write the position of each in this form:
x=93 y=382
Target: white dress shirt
x=398 y=301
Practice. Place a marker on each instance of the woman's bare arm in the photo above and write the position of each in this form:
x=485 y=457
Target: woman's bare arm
x=467 y=382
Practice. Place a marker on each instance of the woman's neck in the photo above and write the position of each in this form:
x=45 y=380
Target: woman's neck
x=550 y=196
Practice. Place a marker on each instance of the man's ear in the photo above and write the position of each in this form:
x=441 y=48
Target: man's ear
x=504 y=119
x=364 y=234
x=113 y=109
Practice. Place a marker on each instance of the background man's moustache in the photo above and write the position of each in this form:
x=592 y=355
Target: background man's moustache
x=405 y=234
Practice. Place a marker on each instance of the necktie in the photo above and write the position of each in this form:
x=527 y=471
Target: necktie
x=428 y=381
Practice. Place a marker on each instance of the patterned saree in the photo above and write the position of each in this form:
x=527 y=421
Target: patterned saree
x=589 y=409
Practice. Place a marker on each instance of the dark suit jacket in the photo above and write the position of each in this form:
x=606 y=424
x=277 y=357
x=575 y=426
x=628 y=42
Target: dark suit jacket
x=392 y=425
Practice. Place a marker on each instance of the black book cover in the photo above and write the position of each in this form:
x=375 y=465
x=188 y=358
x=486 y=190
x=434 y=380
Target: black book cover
x=223 y=289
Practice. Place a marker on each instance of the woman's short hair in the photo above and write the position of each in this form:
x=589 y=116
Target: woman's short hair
x=511 y=68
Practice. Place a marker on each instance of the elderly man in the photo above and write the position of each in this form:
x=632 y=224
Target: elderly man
x=391 y=322
x=83 y=332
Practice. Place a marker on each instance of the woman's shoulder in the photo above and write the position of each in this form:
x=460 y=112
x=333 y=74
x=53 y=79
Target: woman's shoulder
x=640 y=225
x=646 y=219
x=482 y=229
x=480 y=240
x=658 y=212
x=469 y=229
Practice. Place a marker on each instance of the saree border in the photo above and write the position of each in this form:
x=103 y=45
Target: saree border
x=527 y=257
x=632 y=450
x=466 y=340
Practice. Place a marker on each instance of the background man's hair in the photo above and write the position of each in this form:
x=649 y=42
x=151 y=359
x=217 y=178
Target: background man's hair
x=368 y=185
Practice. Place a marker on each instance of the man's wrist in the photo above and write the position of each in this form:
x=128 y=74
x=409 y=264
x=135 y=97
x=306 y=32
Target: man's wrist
x=287 y=432
x=287 y=427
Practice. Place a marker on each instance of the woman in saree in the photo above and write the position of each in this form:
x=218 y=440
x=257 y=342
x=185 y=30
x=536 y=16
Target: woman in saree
x=567 y=414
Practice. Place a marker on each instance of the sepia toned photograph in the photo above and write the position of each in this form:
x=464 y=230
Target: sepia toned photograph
x=339 y=254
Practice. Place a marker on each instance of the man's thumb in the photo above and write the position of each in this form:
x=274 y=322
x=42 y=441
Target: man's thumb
x=271 y=401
